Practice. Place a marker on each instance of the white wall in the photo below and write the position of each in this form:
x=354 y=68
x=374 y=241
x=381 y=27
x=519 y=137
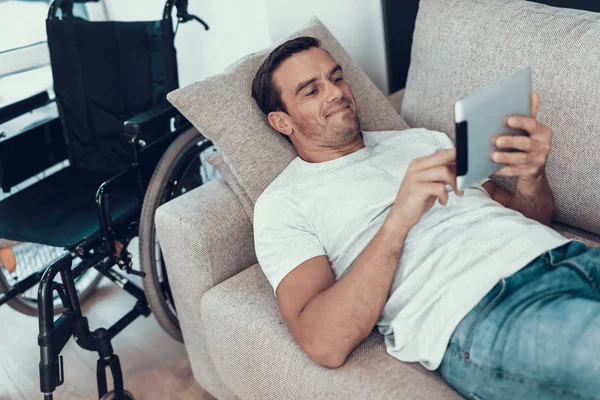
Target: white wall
x=237 y=28
x=356 y=24
x=240 y=27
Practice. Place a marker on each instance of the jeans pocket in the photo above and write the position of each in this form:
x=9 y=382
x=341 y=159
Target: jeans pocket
x=586 y=271
x=578 y=257
x=482 y=315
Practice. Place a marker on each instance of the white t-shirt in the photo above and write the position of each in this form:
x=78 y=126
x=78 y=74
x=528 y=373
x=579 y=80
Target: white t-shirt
x=450 y=260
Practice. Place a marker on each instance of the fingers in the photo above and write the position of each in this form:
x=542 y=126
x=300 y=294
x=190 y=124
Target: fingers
x=511 y=170
x=528 y=124
x=435 y=159
x=524 y=143
x=437 y=190
x=535 y=104
x=513 y=158
x=445 y=174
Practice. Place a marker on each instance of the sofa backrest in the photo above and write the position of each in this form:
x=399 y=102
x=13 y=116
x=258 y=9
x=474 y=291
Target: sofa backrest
x=462 y=45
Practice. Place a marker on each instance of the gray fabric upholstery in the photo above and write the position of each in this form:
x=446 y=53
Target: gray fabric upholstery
x=221 y=166
x=221 y=107
x=396 y=99
x=460 y=46
x=206 y=238
x=570 y=232
x=258 y=358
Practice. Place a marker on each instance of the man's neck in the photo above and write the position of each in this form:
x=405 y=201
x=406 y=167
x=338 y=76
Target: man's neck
x=328 y=154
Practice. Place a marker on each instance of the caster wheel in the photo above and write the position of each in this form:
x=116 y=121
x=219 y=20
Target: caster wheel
x=111 y=396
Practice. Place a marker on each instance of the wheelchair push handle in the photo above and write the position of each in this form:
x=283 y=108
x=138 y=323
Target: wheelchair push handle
x=183 y=15
x=65 y=6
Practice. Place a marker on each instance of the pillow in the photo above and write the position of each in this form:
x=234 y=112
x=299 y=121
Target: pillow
x=222 y=108
x=460 y=46
x=220 y=165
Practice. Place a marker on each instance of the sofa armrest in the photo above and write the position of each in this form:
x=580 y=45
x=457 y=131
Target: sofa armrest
x=396 y=100
x=206 y=238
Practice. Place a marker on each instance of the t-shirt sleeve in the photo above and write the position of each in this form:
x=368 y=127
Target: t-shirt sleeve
x=283 y=239
x=484 y=180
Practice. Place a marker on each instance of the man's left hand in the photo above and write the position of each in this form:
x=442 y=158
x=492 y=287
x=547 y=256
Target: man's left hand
x=529 y=163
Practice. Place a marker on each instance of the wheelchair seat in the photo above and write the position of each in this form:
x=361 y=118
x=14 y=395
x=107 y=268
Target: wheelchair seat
x=60 y=210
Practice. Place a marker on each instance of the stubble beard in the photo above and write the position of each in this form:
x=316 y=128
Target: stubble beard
x=342 y=135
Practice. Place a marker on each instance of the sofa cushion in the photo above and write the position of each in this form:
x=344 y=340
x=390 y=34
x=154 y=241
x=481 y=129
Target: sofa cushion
x=222 y=108
x=460 y=46
x=258 y=358
x=591 y=239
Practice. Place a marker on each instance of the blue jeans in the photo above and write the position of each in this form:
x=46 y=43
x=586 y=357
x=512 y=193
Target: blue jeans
x=535 y=335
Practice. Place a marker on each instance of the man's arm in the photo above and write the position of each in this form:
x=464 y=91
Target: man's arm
x=330 y=319
x=532 y=199
x=496 y=193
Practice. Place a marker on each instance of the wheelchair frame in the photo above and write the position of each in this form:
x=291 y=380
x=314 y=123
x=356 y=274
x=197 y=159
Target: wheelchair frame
x=101 y=253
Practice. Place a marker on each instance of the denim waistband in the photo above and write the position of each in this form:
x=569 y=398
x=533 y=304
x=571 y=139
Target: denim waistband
x=532 y=270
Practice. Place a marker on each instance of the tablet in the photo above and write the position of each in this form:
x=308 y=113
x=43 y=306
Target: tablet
x=482 y=115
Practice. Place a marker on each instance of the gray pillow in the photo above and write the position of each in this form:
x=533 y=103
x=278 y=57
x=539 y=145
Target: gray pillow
x=460 y=46
x=222 y=108
x=220 y=165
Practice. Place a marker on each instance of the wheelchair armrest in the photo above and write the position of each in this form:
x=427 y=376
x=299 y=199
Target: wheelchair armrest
x=157 y=115
x=128 y=178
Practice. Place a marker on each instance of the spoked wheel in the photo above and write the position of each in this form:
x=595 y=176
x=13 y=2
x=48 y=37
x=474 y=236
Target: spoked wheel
x=182 y=168
x=111 y=396
x=31 y=258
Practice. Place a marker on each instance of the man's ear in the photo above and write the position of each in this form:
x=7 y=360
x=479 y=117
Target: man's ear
x=280 y=121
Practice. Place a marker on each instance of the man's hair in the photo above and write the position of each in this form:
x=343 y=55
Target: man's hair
x=266 y=94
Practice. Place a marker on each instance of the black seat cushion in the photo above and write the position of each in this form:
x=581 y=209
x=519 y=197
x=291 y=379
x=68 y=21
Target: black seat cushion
x=60 y=210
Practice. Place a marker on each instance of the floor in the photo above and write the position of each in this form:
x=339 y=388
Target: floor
x=154 y=365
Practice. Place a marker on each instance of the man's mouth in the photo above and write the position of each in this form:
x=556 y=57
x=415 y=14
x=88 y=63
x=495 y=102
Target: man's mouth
x=337 y=110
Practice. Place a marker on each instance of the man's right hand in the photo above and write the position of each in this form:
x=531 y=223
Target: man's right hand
x=424 y=182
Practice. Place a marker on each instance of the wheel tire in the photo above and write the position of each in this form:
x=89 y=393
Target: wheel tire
x=29 y=307
x=110 y=395
x=147 y=234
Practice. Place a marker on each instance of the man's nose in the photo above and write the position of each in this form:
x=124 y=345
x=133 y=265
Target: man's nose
x=334 y=92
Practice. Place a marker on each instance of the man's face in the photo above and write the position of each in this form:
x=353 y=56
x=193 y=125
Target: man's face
x=321 y=107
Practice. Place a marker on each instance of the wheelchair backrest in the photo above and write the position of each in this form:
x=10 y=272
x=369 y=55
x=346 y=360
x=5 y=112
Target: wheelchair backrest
x=106 y=72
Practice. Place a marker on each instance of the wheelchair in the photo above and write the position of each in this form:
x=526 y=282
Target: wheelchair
x=121 y=150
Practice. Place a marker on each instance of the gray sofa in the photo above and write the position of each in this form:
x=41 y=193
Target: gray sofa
x=238 y=344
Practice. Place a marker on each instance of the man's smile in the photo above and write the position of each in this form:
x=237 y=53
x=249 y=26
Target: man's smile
x=337 y=110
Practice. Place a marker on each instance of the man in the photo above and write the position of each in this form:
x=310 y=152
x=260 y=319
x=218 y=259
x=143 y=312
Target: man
x=368 y=229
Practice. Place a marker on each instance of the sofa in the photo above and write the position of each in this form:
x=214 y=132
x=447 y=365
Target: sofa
x=238 y=344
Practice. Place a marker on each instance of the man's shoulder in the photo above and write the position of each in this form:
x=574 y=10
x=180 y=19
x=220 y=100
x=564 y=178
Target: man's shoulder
x=281 y=181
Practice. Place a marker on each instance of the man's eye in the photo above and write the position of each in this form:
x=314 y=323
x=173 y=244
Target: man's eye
x=311 y=92
x=338 y=80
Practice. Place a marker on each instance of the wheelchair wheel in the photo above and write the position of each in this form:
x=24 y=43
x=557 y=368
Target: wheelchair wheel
x=181 y=169
x=32 y=257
